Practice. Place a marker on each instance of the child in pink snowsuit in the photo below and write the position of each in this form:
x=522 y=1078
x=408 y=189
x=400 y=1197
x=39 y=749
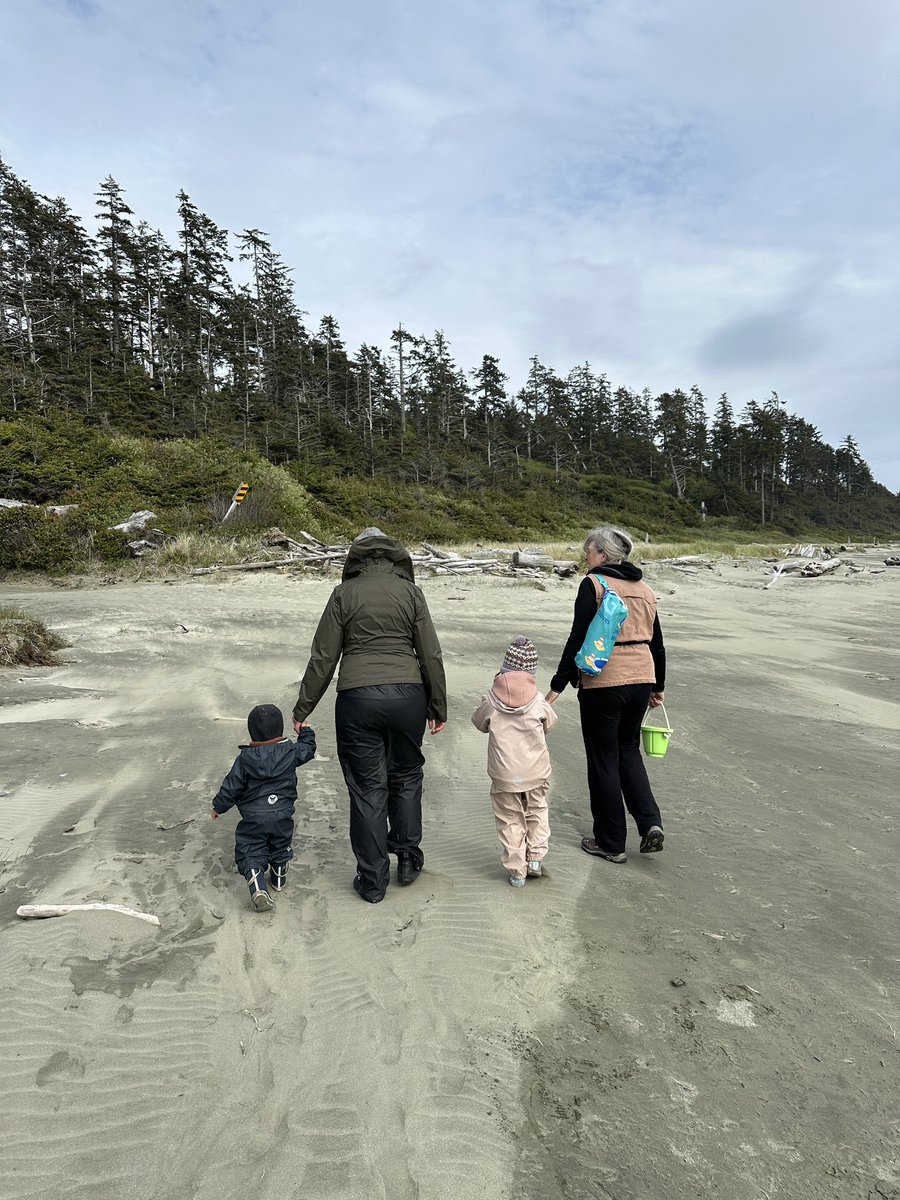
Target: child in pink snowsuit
x=516 y=717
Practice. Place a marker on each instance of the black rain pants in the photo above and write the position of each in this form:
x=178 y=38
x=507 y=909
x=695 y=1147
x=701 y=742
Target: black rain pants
x=379 y=733
x=611 y=727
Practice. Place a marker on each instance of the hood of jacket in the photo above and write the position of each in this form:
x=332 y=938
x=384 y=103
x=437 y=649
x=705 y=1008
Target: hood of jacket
x=622 y=570
x=367 y=551
x=514 y=691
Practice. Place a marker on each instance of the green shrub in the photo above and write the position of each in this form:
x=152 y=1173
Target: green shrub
x=33 y=540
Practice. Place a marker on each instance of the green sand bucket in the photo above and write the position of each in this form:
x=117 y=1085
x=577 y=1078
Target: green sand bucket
x=655 y=738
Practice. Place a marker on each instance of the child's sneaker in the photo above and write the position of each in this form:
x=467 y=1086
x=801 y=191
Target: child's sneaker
x=278 y=875
x=259 y=893
x=534 y=869
x=516 y=881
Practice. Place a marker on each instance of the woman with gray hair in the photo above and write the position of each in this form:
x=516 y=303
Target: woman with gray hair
x=613 y=703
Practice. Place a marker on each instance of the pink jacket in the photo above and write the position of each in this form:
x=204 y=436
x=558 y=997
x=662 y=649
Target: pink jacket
x=515 y=716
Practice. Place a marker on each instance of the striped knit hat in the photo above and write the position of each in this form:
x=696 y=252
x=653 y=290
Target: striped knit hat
x=521 y=656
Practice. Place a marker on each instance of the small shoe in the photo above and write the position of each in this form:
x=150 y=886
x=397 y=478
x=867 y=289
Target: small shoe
x=278 y=875
x=534 y=869
x=516 y=881
x=357 y=887
x=407 y=871
x=652 y=841
x=589 y=846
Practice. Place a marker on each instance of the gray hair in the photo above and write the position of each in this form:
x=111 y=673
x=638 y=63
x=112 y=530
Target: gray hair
x=615 y=543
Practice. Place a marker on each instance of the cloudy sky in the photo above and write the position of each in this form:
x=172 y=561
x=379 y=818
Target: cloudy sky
x=678 y=191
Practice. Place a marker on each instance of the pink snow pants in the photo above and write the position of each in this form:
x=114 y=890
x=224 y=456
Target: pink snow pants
x=523 y=825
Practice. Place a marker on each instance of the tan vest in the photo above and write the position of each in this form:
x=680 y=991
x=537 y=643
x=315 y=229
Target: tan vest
x=628 y=663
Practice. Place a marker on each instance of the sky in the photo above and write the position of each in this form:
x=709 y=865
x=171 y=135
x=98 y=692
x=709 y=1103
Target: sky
x=679 y=192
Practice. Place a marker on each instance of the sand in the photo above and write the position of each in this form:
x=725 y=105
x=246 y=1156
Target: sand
x=720 y=1020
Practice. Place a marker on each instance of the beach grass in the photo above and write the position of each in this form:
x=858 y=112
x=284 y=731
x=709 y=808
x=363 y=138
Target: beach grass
x=25 y=641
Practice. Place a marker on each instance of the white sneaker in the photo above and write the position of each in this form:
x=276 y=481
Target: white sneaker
x=534 y=869
x=516 y=881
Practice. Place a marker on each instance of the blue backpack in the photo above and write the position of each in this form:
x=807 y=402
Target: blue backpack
x=602 y=631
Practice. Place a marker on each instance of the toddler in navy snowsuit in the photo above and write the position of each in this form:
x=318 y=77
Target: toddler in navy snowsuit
x=263 y=784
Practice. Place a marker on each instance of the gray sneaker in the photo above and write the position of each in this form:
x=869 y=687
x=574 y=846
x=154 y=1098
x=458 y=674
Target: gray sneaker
x=516 y=881
x=652 y=841
x=534 y=869
x=589 y=846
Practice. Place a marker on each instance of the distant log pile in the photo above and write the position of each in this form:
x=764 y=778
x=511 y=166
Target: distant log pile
x=807 y=568
x=309 y=551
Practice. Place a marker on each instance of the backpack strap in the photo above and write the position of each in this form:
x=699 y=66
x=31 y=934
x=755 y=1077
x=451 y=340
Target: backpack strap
x=600 y=586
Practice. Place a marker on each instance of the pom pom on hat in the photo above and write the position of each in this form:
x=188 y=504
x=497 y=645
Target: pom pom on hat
x=521 y=656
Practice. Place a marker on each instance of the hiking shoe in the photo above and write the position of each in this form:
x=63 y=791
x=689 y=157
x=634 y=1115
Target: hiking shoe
x=407 y=869
x=516 y=881
x=534 y=869
x=357 y=887
x=589 y=846
x=278 y=875
x=652 y=841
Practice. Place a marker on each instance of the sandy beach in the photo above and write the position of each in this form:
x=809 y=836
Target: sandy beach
x=720 y=1020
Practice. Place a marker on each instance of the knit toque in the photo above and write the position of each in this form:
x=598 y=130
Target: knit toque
x=521 y=656
x=265 y=723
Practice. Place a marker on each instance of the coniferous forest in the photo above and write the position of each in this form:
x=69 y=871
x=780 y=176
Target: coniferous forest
x=120 y=333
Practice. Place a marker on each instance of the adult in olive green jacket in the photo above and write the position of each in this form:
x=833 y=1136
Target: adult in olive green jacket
x=376 y=624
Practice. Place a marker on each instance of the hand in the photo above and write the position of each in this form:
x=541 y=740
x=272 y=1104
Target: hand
x=214 y=815
x=656 y=699
x=552 y=697
x=298 y=725
x=435 y=726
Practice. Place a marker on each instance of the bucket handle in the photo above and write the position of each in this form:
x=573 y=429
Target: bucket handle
x=665 y=716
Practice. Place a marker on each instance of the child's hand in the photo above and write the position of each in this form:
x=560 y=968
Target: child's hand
x=214 y=815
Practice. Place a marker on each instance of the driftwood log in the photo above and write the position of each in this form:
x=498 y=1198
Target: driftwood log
x=40 y=911
x=806 y=570
x=814 y=569
x=312 y=552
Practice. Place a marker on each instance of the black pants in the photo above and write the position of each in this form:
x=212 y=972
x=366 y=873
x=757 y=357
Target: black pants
x=379 y=738
x=611 y=727
x=263 y=836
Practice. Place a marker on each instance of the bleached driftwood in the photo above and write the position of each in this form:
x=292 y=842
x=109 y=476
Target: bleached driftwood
x=251 y=566
x=806 y=570
x=527 y=558
x=436 y=553
x=811 y=550
x=782 y=568
x=39 y=911
x=893 y=561
x=442 y=562
x=814 y=569
x=695 y=560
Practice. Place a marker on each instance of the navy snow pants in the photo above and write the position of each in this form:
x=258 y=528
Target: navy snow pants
x=263 y=837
